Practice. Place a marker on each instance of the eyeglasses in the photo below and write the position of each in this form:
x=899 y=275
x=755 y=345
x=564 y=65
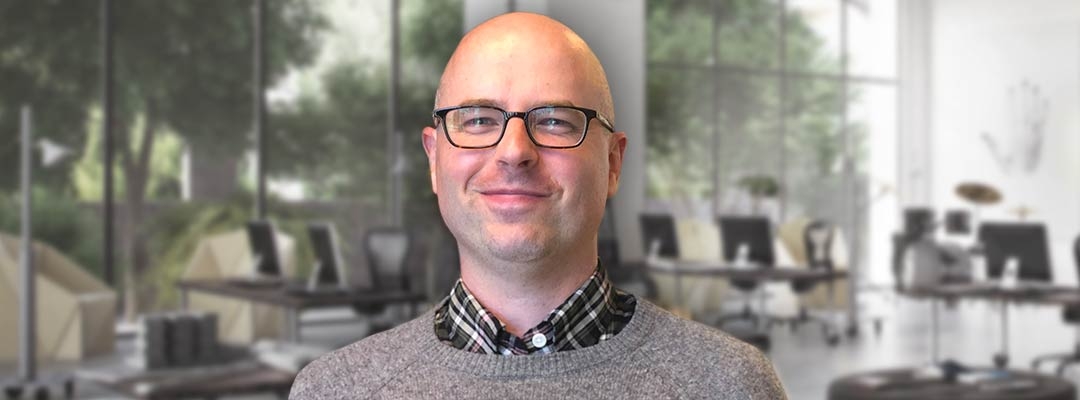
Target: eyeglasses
x=555 y=127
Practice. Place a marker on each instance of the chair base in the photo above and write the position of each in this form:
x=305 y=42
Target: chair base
x=1063 y=360
x=828 y=330
x=60 y=386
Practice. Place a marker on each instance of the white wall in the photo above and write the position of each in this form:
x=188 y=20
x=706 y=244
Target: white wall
x=615 y=30
x=994 y=63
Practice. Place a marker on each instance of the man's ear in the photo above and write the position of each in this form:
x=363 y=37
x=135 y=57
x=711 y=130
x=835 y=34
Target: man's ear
x=616 y=151
x=429 y=137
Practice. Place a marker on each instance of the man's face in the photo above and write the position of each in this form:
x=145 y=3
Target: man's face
x=518 y=202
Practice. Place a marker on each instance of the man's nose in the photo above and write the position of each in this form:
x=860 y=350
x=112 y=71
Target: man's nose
x=516 y=149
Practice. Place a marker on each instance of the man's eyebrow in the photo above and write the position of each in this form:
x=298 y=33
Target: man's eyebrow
x=480 y=102
x=564 y=103
x=493 y=103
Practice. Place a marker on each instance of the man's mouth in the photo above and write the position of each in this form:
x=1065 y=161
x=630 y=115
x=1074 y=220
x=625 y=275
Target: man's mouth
x=511 y=199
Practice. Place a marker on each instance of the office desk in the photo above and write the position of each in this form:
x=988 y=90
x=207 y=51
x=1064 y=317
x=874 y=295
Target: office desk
x=761 y=274
x=293 y=302
x=898 y=384
x=1048 y=294
x=243 y=378
x=778 y=273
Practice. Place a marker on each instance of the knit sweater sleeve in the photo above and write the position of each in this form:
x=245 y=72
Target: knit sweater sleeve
x=708 y=363
x=361 y=369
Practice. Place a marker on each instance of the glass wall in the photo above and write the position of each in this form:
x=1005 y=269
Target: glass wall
x=183 y=124
x=789 y=93
x=55 y=74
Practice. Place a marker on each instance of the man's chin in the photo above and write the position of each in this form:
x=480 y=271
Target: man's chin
x=523 y=249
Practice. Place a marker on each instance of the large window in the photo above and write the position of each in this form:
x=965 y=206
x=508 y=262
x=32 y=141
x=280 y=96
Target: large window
x=183 y=118
x=800 y=93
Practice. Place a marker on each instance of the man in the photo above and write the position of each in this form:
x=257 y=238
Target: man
x=523 y=155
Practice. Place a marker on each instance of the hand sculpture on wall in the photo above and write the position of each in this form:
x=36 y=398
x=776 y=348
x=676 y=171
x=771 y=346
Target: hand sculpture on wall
x=1024 y=138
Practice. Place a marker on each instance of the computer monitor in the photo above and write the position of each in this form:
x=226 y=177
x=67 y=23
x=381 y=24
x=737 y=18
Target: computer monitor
x=918 y=221
x=329 y=264
x=958 y=222
x=754 y=232
x=264 y=254
x=660 y=229
x=1026 y=242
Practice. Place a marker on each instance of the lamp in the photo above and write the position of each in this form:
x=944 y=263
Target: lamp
x=27 y=370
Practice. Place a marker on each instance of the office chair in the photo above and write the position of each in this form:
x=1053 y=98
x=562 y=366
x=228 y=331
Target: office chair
x=751 y=236
x=630 y=277
x=1071 y=315
x=392 y=256
x=817 y=241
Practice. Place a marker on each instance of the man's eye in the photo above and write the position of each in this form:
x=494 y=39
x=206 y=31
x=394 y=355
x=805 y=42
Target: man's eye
x=555 y=126
x=479 y=122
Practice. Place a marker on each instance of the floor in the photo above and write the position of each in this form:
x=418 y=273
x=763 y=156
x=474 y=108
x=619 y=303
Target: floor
x=969 y=334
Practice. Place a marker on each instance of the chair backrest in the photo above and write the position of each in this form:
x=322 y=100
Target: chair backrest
x=659 y=228
x=818 y=241
x=388 y=251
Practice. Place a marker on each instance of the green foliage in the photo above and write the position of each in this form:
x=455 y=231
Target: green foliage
x=59 y=221
x=180 y=66
x=176 y=234
x=760 y=185
x=87 y=174
x=722 y=110
x=48 y=60
x=335 y=134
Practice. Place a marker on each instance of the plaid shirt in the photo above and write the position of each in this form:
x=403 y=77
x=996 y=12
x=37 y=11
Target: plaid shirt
x=595 y=312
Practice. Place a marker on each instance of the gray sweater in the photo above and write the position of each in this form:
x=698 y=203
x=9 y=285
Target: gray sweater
x=656 y=356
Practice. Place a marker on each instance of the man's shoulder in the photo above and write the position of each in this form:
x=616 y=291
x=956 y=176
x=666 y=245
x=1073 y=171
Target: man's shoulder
x=365 y=365
x=674 y=333
x=712 y=359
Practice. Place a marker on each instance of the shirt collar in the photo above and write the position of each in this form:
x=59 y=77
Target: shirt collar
x=594 y=312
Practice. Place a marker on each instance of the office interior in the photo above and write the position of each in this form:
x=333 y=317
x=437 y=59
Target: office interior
x=919 y=156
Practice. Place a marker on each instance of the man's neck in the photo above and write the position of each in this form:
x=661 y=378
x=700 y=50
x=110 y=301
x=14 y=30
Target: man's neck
x=522 y=295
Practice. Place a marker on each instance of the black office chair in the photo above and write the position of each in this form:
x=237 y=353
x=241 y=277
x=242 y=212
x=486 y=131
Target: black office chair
x=393 y=259
x=817 y=240
x=630 y=277
x=738 y=226
x=1071 y=315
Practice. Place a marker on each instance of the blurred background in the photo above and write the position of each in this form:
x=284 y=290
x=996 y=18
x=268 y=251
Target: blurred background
x=161 y=129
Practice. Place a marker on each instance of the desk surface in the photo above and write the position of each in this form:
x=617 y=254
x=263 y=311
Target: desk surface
x=247 y=379
x=1051 y=294
x=896 y=384
x=280 y=295
x=777 y=273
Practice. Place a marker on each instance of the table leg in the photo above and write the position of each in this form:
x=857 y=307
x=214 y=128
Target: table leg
x=852 y=299
x=833 y=336
x=935 y=336
x=1001 y=359
x=292 y=325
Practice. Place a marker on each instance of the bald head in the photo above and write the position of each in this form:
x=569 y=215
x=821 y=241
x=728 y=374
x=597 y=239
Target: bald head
x=513 y=46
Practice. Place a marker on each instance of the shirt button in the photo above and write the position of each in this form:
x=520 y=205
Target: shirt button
x=539 y=340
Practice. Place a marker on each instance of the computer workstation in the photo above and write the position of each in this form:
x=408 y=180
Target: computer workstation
x=327 y=285
x=1018 y=269
x=747 y=259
